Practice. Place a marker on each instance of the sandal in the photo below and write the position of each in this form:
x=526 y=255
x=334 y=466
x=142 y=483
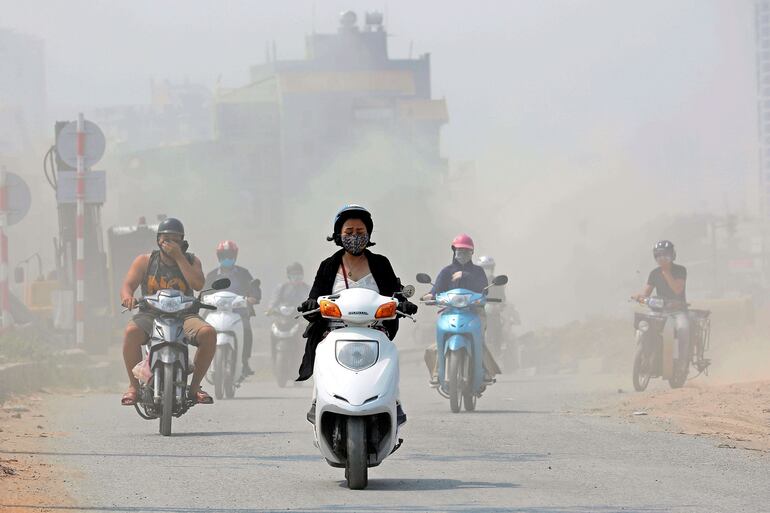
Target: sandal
x=129 y=398
x=202 y=397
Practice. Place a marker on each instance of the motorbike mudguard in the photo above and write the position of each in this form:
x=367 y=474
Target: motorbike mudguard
x=455 y=343
x=226 y=338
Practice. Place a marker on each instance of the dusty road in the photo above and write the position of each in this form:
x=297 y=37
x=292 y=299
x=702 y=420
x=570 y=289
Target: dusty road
x=534 y=445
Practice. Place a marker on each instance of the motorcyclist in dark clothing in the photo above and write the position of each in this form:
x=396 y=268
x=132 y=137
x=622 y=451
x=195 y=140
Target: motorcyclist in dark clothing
x=241 y=283
x=353 y=266
x=669 y=281
x=292 y=292
x=462 y=273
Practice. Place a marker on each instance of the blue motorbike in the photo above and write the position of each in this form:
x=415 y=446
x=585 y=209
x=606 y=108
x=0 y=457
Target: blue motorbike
x=460 y=343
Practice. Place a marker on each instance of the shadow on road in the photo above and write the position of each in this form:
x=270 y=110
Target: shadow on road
x=514 y=457
x=404 y=485
x=229 y=433
x=250 y=457
x=341 y=507
x=266 y=398
x=512 y=412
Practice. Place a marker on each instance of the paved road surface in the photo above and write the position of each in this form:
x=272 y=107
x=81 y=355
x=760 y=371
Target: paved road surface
x=530 y=447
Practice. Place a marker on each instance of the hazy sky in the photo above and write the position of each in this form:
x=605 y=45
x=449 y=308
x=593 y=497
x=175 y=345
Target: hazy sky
x=600 y=105
x=532 y=73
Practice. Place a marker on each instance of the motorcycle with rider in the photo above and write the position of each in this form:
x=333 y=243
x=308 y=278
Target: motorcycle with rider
x=460 y=363
x=286 y=344
x=656 y=355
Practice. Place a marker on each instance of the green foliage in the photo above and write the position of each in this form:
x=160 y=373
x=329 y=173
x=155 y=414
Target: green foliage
x=23 y=345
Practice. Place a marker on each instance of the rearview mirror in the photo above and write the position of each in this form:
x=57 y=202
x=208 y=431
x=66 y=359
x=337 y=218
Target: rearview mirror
x=407 y=291
x=500 y=280
x=423 y=278
x=221 y=283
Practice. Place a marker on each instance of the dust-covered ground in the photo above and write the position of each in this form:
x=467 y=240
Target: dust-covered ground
x=28 y=478
x=730 y=404
x=737 y=414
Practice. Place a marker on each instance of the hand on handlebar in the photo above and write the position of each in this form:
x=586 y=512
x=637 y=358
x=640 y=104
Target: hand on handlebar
x=129 y=303
x=308 y=305
x=407 y=307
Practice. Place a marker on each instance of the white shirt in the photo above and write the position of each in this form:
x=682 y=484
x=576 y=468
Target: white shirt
x=367 y=282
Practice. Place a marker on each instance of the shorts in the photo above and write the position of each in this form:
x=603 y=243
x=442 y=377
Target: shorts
x=192 y=323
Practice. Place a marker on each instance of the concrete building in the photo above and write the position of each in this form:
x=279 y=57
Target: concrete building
x=22 y=90
x=308 y=113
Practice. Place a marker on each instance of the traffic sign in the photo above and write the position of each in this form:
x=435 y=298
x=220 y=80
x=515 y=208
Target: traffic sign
x=67 y=144
x=18 y=198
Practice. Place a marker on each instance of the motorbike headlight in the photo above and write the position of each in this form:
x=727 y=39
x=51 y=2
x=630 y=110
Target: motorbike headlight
x=460 y=300
x=170 y=304
x=225 y=303
x=643 y=326
x=357 y=355
x=287 y=310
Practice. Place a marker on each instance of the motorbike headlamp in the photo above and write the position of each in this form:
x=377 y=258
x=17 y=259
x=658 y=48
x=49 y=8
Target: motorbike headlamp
x=460 y=300
x=357 y=355
x=225 y=303
x=287 y=310
x=643 y=326
x=169 y=304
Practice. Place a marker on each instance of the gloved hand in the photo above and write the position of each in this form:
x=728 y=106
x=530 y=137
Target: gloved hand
x=308 y=305
x=407 y=307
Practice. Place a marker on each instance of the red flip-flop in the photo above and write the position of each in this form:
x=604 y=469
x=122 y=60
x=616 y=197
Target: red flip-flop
x=202 y=397
x=129 y=398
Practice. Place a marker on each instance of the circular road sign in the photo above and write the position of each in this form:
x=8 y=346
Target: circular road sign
x=67 y=144
x=18 y=198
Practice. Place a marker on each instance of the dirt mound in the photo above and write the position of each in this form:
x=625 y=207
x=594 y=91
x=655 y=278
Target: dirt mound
x=737 y=414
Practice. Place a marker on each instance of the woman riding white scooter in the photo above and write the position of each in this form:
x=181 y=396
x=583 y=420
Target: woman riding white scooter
x=351 y=267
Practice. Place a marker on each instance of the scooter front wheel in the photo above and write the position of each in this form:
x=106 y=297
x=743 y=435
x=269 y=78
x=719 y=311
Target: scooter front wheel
x=454 y=378
x=641 y=374
x=167 y=399
x=356 y=467
x=281 y=368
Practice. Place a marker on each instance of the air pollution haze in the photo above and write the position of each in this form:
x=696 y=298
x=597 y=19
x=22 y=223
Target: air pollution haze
x=578 y=134
x=565 y=137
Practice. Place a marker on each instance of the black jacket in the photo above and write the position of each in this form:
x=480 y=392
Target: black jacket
x=387 y=282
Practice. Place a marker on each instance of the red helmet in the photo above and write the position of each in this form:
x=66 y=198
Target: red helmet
x=462 y=241
x=227 y=249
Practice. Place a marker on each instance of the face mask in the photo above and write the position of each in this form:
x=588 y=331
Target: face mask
x=296 y=278
x=227 y=262
x=355 y=244
x=463 y=257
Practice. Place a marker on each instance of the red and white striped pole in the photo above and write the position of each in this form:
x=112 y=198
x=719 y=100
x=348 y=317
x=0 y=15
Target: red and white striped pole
x=80 y=268
x=5 y=316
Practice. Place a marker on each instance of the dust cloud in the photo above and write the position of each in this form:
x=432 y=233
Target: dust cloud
x=578 y=134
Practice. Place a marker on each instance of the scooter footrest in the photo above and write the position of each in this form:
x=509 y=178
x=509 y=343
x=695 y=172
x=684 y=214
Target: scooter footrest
x=400 y=441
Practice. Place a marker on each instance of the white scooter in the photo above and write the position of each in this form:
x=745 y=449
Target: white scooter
x=225 y=374
x=356 y=377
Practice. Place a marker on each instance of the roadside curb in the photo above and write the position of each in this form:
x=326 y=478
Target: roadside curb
x=24 y=377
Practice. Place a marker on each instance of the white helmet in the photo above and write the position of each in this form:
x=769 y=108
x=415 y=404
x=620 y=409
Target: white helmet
x=487 y=262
